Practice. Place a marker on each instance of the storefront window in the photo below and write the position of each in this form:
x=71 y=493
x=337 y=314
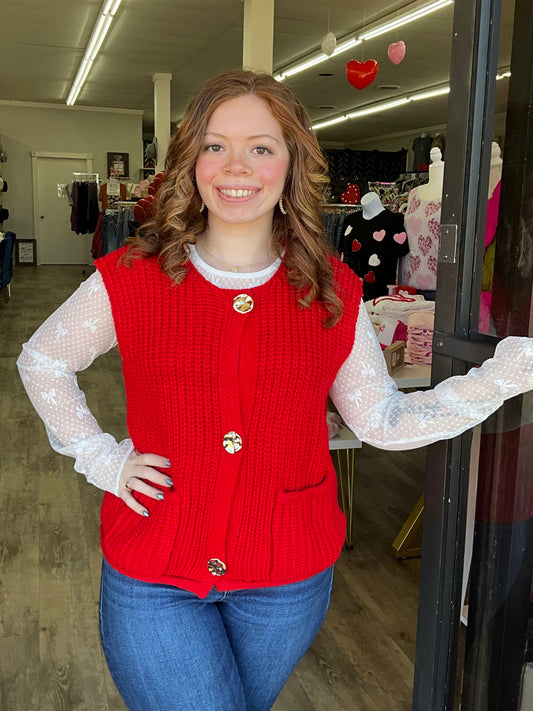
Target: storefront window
x=485 y=661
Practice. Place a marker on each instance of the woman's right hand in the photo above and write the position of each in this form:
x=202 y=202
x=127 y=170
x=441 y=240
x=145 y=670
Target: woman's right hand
x=136 y=473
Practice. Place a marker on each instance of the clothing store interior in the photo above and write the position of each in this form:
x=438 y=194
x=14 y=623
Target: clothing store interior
x=90 y=95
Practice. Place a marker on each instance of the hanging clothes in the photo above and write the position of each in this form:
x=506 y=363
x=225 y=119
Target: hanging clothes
x=85 y=210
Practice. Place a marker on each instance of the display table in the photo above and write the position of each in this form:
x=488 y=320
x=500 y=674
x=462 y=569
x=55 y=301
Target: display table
x=408 y=376
x=413 y=376
x=346 y=442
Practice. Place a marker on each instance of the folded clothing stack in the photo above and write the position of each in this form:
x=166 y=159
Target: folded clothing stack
x=390 y=314
x=419 y=337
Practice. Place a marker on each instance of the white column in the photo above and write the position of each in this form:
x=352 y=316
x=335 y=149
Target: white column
x=161 y=115
x=258 y=37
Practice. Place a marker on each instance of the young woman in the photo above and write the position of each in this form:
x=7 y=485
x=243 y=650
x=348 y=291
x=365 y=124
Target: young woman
x=220 y=525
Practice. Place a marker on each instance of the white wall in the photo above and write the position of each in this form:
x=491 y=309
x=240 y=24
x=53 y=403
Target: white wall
x=32 y=127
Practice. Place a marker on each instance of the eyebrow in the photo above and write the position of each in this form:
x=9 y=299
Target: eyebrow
x=250 y=138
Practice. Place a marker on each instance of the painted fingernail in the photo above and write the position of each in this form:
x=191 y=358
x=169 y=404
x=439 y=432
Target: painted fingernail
x=169 y=482
x=160 y=496
x=145 y=513
x=167 y=462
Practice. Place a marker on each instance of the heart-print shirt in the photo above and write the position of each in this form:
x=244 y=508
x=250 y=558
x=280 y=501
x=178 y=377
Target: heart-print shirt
x=372 y=249
x=422 y=224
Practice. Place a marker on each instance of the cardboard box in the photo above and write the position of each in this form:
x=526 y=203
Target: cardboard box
x=394 y=356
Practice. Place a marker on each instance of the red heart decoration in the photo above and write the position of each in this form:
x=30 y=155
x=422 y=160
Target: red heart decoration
x=370 y=277
x=352 y=194
x=361 y=74
x=356 y=245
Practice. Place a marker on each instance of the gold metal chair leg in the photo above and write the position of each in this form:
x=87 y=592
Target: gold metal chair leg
x=408 y=531
x=347 y=492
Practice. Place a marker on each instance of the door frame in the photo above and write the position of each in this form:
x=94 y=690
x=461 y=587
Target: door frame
x=35 y=156
x=456 y=344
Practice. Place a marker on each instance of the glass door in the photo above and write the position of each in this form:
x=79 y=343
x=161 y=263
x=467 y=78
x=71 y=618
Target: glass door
x=486 y=661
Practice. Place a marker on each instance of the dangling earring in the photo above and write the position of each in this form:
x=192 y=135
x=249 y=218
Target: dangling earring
x=202 y=206
x=282 y=206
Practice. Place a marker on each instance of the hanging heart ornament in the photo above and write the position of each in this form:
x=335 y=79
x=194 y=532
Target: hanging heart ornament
x=328 y=44
x=396 y=52
x=361 y=74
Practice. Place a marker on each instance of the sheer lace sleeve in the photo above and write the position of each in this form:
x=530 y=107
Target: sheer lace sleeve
x=371 y=405
x=68 y=341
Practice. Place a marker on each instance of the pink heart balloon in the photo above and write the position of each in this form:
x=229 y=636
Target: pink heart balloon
x=396 y=52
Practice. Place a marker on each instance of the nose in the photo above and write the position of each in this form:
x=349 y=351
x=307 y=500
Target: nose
x=237 y=163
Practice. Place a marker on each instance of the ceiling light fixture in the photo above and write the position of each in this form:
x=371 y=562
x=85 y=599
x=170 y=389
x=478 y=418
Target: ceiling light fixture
x=383 y=106
x=377 y=108
x=354 y=41
x=430 y=93
x=101 y=28
x=405 y=19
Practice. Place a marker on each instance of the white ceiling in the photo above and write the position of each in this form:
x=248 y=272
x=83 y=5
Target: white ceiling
x=42 y=43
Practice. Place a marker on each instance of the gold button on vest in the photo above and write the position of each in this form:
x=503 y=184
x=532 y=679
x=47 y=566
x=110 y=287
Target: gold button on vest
x=216 y=567
x=232 y=442
x=243 y=303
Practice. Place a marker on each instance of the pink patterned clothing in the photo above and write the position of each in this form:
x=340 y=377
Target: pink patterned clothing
x=422 y=224
x=493 y=207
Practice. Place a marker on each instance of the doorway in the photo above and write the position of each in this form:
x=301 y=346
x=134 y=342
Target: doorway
x=57 y=243
x=488 y=665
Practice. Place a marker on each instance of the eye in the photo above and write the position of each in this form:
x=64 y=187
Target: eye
x=262 y=150
x=213 y=148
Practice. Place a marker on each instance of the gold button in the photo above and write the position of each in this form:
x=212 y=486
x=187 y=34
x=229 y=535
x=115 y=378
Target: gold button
x=216 y=567
x=243 y=303
x=232 y=442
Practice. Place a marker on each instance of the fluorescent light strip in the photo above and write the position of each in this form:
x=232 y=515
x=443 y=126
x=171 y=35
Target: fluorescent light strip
x=400 y=21
x=431 y=94
x=345 y=46
x=354 y=41
x=387 y=105
x=100 y=30
x=383 y=106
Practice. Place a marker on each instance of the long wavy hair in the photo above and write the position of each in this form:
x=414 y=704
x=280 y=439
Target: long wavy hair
x=177 y=220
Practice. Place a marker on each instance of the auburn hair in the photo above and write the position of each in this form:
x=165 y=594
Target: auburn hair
x=177 y=220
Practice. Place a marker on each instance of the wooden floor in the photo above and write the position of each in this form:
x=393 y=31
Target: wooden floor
x=50 y=657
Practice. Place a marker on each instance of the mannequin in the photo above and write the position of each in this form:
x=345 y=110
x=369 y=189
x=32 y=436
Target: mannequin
x=421 y=148
x=432 y=190
x=372 y=205
x=422 y=224
x=373 y=240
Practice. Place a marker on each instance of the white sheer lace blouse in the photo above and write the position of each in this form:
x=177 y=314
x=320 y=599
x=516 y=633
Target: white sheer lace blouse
x=366 y=396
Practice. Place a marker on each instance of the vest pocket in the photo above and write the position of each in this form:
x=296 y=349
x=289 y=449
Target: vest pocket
x=134 y=543
x=308 y=530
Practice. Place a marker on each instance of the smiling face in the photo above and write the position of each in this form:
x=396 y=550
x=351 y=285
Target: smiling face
x=243 y=163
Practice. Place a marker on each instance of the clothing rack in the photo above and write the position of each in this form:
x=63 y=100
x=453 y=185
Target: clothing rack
x=353 y=206
x=86 y=177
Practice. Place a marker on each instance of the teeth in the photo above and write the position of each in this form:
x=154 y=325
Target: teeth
x=237 y=193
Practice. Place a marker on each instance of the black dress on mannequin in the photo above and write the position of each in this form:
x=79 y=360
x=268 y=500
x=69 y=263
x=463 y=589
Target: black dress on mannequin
x=371 y=248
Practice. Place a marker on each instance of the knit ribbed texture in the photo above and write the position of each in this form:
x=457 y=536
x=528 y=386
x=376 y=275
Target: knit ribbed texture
x=195 y=369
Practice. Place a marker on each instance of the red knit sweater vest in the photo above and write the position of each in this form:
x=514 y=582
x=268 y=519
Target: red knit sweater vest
x=232 y=387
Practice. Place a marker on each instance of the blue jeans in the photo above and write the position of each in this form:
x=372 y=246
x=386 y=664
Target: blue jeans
x=111 y=231
x=169 y=650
